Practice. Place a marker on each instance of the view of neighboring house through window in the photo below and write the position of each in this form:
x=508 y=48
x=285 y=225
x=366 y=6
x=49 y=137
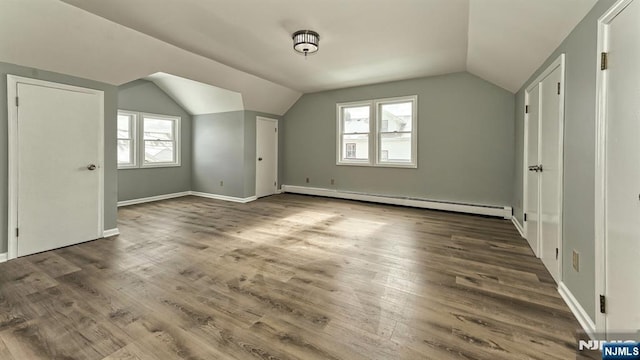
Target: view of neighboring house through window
x=354 y=133
x=351 y=151
x=160 y=135
x=127 y=122
x=390 y=140
x=157 y=139
x=396 y=131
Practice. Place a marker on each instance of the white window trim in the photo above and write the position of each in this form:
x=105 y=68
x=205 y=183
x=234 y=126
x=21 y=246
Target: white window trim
x=339 y=157
x=176 y=140
x=375 y=134
x=133 y=129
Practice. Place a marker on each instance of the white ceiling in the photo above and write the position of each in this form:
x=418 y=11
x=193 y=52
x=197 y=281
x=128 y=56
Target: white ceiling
x=244 y=46
x=362 y=41
x=195 y=97
x=55 y=36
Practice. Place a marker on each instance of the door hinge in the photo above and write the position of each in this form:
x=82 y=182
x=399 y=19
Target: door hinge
x=275 y=184
x=525 y=216
x=604 y=61
x=17 y=232
x=526 y=109
x=276 y=129
x=603 y=304
x=558 y=88
x=17 y=101
x=556 y=253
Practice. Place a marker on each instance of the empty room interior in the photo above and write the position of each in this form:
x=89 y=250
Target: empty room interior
x=250 y=179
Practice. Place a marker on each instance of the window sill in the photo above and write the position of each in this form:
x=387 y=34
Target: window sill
x=400 y=166
x=155 y=166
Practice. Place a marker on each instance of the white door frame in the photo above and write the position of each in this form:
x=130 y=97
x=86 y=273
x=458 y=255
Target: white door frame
x=559 y=62
x=258 y=118
x=12 y=87
x=600 y=168
x=525 y=162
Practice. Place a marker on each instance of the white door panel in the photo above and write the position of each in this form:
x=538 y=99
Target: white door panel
x=532 y=177
x=58 y=197
x=550 y=130
x=543 y=200
x=622 y=179
x=267 y=156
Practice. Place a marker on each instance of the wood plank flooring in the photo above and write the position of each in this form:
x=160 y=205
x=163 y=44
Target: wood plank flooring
x=287 y=277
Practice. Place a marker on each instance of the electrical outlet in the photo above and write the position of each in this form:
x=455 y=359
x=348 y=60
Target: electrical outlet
x=333 y=181
x=576 y=261
x=307 y=180
x=221 y=183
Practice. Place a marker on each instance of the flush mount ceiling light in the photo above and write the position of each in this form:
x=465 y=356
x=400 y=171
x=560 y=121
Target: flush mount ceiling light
x=306 y=41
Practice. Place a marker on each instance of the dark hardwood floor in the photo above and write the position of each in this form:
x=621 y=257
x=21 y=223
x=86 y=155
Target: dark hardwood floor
x=287 y=277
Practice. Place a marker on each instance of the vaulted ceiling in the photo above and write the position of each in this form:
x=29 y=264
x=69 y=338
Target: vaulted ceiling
x=241 y=44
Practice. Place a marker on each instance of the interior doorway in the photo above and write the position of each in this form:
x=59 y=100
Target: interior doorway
x=55 y=165
x=617 y=193
x=267 y=156
x=543 y=172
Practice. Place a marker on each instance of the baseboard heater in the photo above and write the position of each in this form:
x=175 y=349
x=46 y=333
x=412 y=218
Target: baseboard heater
x=488 y=210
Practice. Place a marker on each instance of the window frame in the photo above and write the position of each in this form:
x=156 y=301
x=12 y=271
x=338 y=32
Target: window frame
x=375 y=133
x=343 y=160
x=133 y=138
x=176 y=140
x=414 y=131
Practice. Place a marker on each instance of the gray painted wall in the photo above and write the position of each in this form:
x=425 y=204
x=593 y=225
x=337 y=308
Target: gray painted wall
x=465 y=142
x=218 y=153
x=579 y=153
x=145 y=96
x=224 y=149
x=110 y=172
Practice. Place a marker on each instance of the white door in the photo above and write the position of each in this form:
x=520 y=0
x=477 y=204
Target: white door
x=532 y=162
x=57 y=159
x=622 y=174
x=267 y=156
x=550 y=175
x=543 y=161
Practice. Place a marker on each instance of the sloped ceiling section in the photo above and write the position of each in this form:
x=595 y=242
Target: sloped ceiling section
x=361 y=41
x=195 y=97
x=510 y=39
x=245 y=46
x=55 y=36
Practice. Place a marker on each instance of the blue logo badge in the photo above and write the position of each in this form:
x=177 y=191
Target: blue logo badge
x=621 y=350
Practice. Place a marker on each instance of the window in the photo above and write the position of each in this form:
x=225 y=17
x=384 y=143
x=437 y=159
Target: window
x=378 y=132
x=157 y=139
x=127 y=122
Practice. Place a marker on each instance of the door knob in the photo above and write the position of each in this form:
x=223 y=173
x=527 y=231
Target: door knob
x=259 y=159
x=536 y=168
x=91 y=167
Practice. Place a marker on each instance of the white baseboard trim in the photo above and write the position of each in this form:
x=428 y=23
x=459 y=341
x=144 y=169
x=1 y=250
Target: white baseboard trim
x=503 y=212
x=110 y=232
x=224 y=197
x=153 y=198
x=3 y=257
x=516 y=223
x=578 y=311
